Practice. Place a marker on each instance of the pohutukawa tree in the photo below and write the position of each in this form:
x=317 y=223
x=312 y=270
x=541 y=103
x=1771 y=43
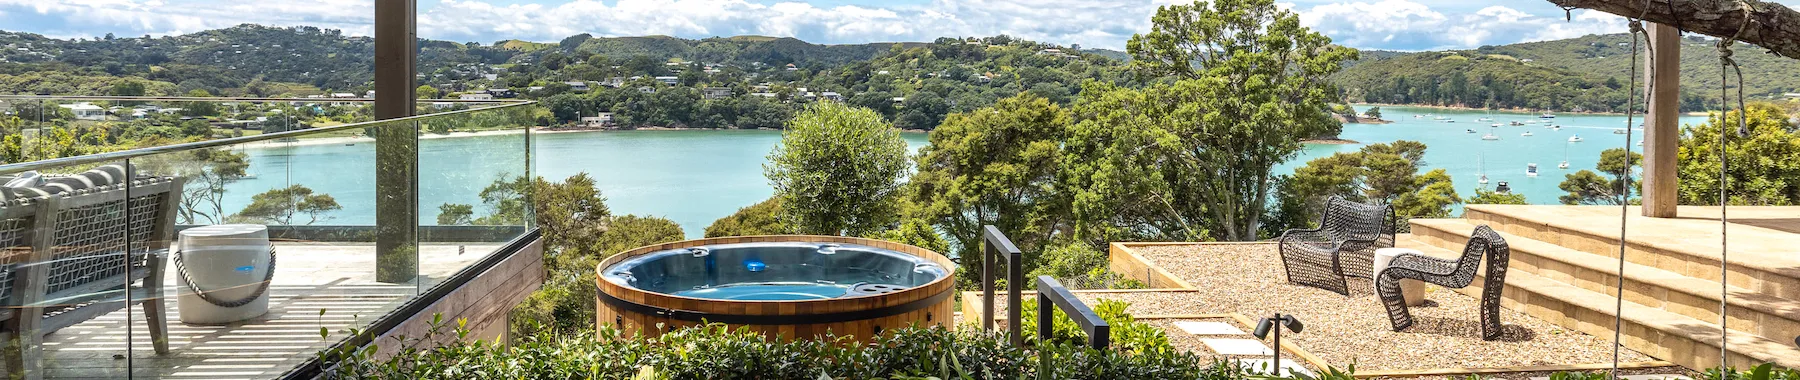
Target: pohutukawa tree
x=1249 y=83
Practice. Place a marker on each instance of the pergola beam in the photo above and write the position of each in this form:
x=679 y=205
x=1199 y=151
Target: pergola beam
x=1772 y=26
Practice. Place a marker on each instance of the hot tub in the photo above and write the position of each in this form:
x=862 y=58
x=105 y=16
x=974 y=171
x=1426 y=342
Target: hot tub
x=789 y=286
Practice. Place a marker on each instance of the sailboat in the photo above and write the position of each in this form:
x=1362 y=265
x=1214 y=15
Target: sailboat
x=1575 y=138
x=1526 y=134
x=1565 y=161
x=1516 y=123
x=1619 y=131
x=1471 y=130
x=1547 y=116
x=1556 y=127
x=1490 y=136
x=1483 y=170
x=1531 y=170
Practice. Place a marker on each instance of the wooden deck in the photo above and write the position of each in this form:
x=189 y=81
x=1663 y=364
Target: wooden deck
x=337 y=279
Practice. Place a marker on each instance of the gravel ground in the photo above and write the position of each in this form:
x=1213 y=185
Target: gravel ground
x=1248 y=279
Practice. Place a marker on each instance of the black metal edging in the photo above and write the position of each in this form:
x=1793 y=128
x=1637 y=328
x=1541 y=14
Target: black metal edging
x=747 y=319
x=313 y=368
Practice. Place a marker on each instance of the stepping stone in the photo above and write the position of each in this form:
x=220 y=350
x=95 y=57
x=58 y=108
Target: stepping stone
x=1208 y=328
x=1261 y=367
x=1248 y=347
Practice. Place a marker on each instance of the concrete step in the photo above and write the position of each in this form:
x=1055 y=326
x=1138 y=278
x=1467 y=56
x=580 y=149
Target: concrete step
x=1767 y=316
x=1762 y=243
x=1662 y=334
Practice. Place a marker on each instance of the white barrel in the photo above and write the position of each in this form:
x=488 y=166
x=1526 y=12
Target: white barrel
x=230 y=263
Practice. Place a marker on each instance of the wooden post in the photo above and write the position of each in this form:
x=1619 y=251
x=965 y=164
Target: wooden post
x=397 y=144
x=1661 y=128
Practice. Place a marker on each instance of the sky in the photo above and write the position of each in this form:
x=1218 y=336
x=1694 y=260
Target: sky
x=1409 y=25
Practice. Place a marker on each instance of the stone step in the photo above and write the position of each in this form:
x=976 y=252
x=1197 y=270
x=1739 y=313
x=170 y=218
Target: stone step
x=1662 y=334
x=1762 y=246
x=1750 y=312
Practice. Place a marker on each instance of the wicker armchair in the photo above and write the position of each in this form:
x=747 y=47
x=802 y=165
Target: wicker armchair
x=1342 y=246
x=81 y=252
x=1450 y=274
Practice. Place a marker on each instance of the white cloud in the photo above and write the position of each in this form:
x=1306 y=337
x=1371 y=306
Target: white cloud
x=1377 y=24
x=1408 y=25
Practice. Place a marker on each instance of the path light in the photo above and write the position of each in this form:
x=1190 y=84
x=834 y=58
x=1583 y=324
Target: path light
x=1266 y=324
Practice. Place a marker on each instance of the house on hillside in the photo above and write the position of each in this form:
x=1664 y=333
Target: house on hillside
x=603 y=119
x=476 y=96
x=577 y=86
x=791 y=67
x=86 y=111
x=502 y=93
x=715 y=92
x=832 y=96
x=669 y=80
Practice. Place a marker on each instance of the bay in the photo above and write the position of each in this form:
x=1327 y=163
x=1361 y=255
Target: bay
x=697 y=176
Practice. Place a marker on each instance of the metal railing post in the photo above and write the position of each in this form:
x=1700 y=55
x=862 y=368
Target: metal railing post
x=987 y=285
x=995 y=246
x=1051 y=295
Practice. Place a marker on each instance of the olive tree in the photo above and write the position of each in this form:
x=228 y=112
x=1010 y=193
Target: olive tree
x=837 y=170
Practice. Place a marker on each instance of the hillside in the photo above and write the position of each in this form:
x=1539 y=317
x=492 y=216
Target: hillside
x=1580 y=74
x=235 y=57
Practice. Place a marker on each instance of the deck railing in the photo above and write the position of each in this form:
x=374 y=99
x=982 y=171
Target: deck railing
x=995 y=248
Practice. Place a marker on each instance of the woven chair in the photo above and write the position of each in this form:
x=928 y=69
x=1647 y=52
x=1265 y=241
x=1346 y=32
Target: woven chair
x=1342 y=246
x=81 y=253
x=1450 y=274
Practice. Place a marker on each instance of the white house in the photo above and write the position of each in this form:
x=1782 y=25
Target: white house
x=832 y=96
x=86 y=111
x=477 y=96
x=668 y=80
x=715 y=92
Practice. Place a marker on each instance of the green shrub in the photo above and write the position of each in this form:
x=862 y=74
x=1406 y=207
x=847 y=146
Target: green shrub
x=1128 y=334
x=716 y=352
x=762 y=218
x=1080 y=266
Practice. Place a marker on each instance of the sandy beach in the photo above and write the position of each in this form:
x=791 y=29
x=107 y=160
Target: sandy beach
x=303 y=141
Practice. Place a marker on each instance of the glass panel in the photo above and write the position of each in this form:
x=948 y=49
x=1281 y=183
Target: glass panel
x=472 y=187
x=245 y=252
x=72 y=263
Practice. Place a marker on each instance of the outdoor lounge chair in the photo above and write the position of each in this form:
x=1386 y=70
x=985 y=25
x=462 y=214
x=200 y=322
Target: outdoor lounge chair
x=1342 y=246
x=1450 y=274
x=79 y=247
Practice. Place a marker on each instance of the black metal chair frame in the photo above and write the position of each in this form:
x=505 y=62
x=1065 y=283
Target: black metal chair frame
x=1342 y=246
x=1450 y=274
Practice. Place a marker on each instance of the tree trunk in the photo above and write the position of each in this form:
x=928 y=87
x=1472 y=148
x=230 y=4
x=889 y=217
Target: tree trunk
x=1772 y=26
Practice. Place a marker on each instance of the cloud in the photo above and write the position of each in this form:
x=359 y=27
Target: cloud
x=1408 y=25
x=1066 y=21
x=1369 y=24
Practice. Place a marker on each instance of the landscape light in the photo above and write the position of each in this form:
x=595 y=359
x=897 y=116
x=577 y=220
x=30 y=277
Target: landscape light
x=1266 y=325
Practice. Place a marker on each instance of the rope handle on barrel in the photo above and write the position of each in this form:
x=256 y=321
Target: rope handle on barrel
x=260 y=289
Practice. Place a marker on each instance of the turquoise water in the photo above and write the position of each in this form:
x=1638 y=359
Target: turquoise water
x=775 y=291
x=696 y=177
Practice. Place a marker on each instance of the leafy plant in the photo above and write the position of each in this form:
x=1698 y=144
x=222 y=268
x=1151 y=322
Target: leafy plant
x=718 y=352
x=1127 y=334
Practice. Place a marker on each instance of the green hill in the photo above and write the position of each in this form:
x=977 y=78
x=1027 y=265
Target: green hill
x=1581 y=74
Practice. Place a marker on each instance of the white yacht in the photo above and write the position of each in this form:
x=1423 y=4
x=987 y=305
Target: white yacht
x=1619 y=131
x=1575 y=138
x=1531 y=170
x=1526 y=134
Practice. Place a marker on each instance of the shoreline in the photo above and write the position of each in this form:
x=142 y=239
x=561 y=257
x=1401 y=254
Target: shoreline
x=1517 y=110
x=1330 y=142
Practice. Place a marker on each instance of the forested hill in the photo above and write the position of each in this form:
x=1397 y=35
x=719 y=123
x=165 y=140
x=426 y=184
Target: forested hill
x=1587 y=74
x=275 y=58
